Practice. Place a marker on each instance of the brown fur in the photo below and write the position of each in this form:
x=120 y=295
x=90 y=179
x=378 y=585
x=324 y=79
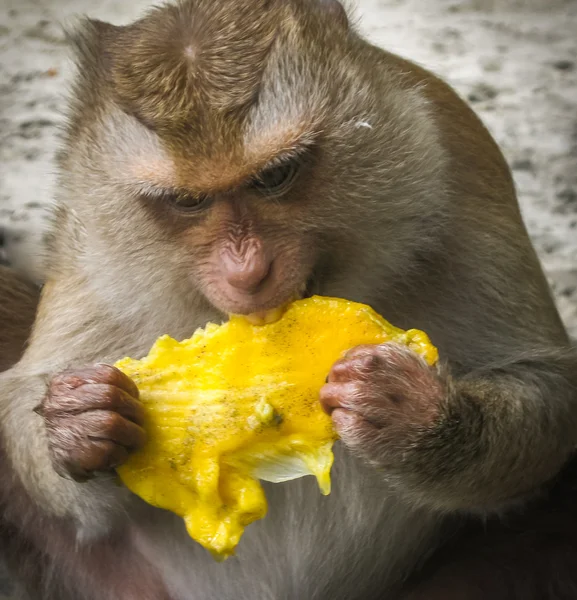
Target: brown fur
x=52 y=565
x=16 y=326
x=529 y=555
x=403 y=201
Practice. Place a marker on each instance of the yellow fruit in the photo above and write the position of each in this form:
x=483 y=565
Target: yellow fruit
x=239 y=403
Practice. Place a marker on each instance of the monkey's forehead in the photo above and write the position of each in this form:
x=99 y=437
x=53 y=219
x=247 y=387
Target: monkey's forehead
x=132 y=153
x=221 y=86
x=195 y=62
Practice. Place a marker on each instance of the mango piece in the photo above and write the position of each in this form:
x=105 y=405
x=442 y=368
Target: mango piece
x=239 y=402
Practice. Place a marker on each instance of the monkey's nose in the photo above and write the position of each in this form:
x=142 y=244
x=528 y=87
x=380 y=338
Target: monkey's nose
x=246 y=275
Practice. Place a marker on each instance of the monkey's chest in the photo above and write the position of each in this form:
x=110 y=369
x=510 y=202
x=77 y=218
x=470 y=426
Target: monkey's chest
x=355 y=543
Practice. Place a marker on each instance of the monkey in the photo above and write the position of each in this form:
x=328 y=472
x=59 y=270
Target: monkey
x=17 y=312
x=226 y=157
x=526 y=554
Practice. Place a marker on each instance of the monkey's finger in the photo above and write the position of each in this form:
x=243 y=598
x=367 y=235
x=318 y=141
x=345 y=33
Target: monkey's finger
x=339 y=371
x=354 y=367
x=105 y=397
x=119 y=379
x=352 y=428
x=359 y=366
x=93 y=396
x=100 y=455
x=337 y=395
x=361 y=350
x=99 y=373
x=113 y=427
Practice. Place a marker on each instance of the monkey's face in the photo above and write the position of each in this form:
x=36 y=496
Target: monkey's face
x=240 y=153
x=240 y=223
x=246 y=248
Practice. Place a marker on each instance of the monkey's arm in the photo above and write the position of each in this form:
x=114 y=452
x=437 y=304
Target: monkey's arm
x=91 y=505
x=69 y=332
x=504 y=430
x=16 y=324
x=475 y=442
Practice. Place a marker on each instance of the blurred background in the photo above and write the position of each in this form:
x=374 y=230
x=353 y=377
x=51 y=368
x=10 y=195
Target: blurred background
x=514 y=61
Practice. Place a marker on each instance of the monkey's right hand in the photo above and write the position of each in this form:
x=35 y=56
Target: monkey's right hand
x=93 y=418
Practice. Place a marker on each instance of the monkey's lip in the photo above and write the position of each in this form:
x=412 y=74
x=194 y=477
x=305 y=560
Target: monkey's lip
x=264 y=317
x=271 y=315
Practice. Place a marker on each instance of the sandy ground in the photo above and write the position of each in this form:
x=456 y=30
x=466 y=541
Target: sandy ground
x=515 y=62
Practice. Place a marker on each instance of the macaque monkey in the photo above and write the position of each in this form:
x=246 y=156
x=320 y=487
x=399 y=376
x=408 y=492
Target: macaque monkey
x=19 y=299
x=227 y=156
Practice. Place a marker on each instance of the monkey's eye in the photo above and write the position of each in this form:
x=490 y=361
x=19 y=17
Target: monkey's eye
x=188 y=202
x=276 y=180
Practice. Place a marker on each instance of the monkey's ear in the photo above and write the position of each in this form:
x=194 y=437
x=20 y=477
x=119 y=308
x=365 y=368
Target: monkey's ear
x=336 y=10
x=92 y=41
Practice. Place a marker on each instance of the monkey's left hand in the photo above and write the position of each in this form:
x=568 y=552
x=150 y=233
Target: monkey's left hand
x=383 y=399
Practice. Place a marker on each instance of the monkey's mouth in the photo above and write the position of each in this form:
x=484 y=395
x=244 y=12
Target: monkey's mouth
x=263 y=317
x=311 y=287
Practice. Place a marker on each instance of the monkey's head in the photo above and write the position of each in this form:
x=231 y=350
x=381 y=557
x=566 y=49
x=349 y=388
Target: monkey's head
x=243 y=152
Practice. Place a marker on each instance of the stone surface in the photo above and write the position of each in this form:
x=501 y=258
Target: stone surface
x=515 y=61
